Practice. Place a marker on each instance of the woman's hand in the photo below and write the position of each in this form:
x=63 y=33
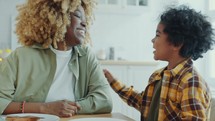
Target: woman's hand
x=109 y=76
x=63 y=108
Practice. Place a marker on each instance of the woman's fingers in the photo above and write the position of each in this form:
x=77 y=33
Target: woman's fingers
x=72 y=107
x=69 y=112
x=62 y=108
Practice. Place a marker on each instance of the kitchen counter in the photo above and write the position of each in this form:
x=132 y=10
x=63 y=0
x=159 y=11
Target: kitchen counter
x=132 y=63
x=108 y=116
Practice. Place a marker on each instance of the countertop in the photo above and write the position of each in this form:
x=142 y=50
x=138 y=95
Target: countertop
x=115 y=116
x=125 y=62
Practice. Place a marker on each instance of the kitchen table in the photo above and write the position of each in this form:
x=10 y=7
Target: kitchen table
x=108 y=115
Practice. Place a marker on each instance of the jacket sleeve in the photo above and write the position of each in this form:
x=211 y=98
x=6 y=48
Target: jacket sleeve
x=7 y=81
x=97 y=98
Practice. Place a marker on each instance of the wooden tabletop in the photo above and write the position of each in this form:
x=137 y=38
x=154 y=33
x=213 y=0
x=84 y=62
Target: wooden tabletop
x=109 y=115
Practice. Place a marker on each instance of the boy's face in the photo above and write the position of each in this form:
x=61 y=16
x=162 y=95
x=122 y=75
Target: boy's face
x=76 y=31
x=164 y=50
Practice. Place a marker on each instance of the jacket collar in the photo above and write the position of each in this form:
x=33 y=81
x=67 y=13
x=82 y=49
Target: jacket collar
x=78 y=50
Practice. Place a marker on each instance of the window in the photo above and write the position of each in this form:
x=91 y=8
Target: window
x=211 y=9
x=212 y=60
x=212 y=64
x=211 y=5
x=210 y=68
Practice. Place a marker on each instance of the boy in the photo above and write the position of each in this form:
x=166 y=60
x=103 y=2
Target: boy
x=177 y=91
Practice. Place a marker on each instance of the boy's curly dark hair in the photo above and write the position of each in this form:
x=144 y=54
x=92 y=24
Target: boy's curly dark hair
x=190 y=29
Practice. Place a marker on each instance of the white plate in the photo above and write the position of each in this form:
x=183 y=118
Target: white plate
x=45 y=117
x=97 y=119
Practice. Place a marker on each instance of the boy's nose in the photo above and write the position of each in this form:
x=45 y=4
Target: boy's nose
x=153 y=40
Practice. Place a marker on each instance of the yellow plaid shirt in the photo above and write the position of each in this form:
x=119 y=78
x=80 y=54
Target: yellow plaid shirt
x=184 y=94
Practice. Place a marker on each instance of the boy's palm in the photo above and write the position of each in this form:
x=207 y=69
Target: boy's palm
x=108 y=75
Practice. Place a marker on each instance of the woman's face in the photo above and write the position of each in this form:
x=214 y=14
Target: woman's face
x=76 y=31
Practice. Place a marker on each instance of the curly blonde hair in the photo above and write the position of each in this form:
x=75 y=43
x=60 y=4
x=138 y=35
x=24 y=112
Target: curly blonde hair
x=45 y=21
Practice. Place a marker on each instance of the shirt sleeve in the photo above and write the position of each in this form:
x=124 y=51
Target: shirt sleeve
x=195 y=100
x=98 y=98
x=128 y=94
x=7 y=77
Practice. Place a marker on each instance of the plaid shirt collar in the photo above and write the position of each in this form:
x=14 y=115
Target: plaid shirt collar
x=174 y=72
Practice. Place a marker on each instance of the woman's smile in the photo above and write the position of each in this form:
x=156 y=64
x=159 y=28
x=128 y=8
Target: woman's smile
x=81 y=32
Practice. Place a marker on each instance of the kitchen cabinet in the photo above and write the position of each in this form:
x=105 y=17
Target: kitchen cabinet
x=210 y=9
x=132 y=74
x=122 y=6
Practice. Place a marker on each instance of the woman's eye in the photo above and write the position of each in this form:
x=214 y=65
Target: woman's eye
x=77 y=14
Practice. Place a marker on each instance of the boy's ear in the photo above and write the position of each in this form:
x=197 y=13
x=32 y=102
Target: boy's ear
x=177 y=48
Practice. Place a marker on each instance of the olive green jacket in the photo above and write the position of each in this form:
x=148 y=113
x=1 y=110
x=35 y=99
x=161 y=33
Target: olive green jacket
x=28 y=72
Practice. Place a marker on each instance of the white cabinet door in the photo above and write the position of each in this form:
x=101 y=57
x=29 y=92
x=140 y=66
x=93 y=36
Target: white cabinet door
x=125 y=3
x=121 y=73
x=131 y=75
x=122 y=6
x=139 y=76
x=136 y=76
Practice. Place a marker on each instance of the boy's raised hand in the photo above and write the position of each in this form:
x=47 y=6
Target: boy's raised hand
x=109 y=76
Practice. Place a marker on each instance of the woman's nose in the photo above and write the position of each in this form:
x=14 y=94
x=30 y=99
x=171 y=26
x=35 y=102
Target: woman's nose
x=84 y=23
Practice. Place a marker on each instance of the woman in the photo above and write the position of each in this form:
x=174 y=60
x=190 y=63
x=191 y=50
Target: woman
x=55 y=71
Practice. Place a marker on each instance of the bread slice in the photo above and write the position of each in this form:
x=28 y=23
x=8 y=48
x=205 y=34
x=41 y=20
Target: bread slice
x=25 y=118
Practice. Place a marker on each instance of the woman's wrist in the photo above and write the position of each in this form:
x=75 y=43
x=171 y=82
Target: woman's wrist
x=42 y=107
x=22 y=107
x=31 y=107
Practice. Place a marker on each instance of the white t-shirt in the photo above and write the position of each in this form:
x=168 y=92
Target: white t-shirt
x=62 y=86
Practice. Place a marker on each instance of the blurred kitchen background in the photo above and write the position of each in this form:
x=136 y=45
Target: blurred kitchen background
x=121 y=36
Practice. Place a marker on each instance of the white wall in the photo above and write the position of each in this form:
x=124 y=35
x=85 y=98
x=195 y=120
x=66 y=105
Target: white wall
x=129 y=34
x=7 y=10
